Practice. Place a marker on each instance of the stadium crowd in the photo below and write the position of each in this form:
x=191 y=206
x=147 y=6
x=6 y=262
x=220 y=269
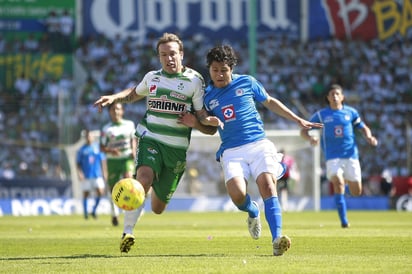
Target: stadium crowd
x=376 y=76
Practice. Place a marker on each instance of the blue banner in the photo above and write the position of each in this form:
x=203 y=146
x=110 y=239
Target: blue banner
x=229 y=19
x=217 y=19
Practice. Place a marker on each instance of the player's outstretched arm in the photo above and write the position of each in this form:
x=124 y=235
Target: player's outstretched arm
x=279 y=108
x=125 y=96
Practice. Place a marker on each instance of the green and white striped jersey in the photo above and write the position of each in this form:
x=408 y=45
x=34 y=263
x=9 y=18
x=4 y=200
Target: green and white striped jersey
x=118 y=135
x=168 y=96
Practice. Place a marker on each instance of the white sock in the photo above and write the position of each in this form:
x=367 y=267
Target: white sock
x=130 y=219
x=114 y=210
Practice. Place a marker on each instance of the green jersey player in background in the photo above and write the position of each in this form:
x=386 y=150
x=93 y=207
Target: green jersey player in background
x=118 y=141
x=164 y=132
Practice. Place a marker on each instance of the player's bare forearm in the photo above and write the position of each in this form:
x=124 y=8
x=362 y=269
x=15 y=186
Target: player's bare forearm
x=192 y=121
x=367 y=133
x=125 y=96
x=279 y=108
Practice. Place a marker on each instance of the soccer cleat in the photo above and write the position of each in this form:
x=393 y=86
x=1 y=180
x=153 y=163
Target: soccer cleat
x=346 y=225
x=115 y=221
x=94 y=215
x=281 y=245
x=254 y=225
x=126 y=242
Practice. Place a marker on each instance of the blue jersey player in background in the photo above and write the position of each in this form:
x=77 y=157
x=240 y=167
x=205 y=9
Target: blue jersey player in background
x=92 y=171
x=339 y=146
x=245 y=151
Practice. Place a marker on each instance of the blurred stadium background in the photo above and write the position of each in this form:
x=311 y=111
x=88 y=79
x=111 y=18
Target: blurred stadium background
x=57 y=57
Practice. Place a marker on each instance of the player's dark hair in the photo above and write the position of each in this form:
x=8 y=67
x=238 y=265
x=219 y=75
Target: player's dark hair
x=333 y=86
x=222 y=53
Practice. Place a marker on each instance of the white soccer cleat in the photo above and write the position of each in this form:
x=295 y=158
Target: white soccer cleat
x=281 y=245
x=254 y=225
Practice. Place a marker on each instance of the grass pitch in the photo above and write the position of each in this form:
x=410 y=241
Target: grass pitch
x=218 y=242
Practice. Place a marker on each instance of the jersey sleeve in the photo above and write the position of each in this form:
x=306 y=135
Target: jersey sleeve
x=356 y=120
x=199 y=92
x=259 y=90
x=142 y=88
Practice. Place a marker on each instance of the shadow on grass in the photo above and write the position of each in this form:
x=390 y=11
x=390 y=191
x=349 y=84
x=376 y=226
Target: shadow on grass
x=87 y=256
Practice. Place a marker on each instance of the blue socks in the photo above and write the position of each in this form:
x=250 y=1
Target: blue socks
x=249 y=207
x=97 y=201
x=85 y=208
x=273 y=215
x=341 y=207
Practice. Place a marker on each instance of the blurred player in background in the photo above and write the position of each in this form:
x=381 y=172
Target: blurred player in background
x=338 y=142
x=245 y=151
x=283 y=182
x=117 y=140
x=164 y=133
x=91 y=170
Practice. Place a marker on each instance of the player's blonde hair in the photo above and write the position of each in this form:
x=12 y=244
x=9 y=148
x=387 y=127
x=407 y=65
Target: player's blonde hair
x=169 y=37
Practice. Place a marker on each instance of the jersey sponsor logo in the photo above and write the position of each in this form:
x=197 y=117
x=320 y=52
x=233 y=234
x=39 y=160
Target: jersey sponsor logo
x=229 y=113
x=213 y=104
x=178 y=95
x=338 y=130
x=328 y=119
x=153 y=89
x=152 y=150
x=166 y=106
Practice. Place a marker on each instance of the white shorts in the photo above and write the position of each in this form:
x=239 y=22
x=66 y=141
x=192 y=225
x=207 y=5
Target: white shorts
x=92 y=184
x=251 y=160
x=348 y=168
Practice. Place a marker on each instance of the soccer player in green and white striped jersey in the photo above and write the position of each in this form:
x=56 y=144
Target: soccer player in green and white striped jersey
x=118 y=141
x=164 y=132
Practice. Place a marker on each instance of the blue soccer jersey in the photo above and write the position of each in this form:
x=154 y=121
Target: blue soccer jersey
x=235 y=106
x=338 y=136
x=89 y=158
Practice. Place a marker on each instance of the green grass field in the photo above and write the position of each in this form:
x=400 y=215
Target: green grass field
x=218 y=242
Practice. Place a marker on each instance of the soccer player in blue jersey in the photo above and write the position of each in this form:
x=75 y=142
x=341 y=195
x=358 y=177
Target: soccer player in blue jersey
x=164 y=137
x=91 y=170
x=339 y=146
x=245 y=151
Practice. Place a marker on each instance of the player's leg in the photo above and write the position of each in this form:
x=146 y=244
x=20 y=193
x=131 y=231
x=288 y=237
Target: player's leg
x=85 y=204
x=353 y=176
x=99 y=189
x=334 y=173
x=86 y=194
x=114 y=171
x=266 y=168
x=235 y=169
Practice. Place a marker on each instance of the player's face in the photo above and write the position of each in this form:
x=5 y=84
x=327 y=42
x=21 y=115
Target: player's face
x=171 y=57
x=116 y=113
x=220 y=73
x=335 y=98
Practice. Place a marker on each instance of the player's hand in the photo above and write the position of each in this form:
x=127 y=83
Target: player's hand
x=103 y=101
x=314 y=140
x=372 y=141
x=187 y=119
x=213 y=121
x=309 y=125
